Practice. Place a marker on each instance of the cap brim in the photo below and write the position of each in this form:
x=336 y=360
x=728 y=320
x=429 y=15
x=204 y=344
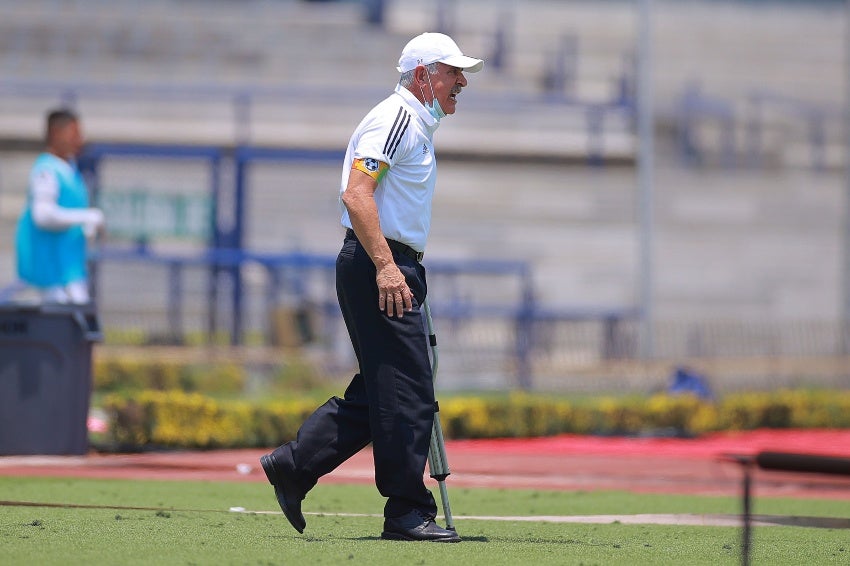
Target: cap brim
x=469 y=64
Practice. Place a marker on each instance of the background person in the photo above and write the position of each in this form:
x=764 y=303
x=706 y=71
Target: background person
x=57 y=220
x=388 y=181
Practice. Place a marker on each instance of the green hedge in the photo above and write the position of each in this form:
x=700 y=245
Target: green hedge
x=524 y=415
x=190 y=420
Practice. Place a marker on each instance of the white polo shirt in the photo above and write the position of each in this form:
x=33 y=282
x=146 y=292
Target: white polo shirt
x=399 y=132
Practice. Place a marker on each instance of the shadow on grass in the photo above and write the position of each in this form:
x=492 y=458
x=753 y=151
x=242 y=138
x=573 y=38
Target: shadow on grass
x=795 y=521
x=377 y=538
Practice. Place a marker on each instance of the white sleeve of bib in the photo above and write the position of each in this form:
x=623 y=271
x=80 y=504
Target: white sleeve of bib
x=48 y=215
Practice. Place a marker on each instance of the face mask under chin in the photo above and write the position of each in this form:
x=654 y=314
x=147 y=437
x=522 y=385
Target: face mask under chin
x=433 y=107
x=435 y=110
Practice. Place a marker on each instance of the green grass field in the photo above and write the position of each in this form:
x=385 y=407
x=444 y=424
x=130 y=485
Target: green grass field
x=190 y=523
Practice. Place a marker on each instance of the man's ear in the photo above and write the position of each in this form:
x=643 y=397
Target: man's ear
x=419 y=74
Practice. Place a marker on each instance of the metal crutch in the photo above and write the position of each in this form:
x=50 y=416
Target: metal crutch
x=437 y=463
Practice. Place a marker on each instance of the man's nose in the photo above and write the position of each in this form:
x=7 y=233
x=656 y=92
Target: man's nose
x=461 y=79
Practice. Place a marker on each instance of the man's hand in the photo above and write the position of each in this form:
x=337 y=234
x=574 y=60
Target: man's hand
x=94 y=222
x=394 y=296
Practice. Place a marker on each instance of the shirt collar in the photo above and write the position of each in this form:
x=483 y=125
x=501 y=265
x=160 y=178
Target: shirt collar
x=430 y=122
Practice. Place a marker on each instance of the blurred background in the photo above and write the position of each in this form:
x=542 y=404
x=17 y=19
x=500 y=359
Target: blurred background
x=216 y=131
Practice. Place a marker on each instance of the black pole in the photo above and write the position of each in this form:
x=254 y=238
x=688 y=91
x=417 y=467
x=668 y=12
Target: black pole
x=746 y=531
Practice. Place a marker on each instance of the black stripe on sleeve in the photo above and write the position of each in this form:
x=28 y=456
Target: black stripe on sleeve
x=400 y=136
x=399 y=126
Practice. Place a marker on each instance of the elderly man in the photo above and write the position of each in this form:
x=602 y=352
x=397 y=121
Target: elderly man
x=388 y=181
x=54 y=225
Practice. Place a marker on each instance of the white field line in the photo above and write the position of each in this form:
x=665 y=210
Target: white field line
x=715 y=520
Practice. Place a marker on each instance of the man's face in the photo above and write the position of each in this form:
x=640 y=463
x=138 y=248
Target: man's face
x=66 y=141
x=447 y=84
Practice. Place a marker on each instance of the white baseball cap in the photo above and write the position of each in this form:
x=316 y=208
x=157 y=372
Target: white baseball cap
x=435 y=48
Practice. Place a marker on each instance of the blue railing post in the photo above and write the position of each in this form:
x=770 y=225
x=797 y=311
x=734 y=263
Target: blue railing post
x=88 y=168
x=525 y=338
x=216 y=240
x=236 y=242
x=175 y=302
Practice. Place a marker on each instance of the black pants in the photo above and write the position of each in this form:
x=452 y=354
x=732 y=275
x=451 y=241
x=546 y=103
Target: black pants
x=389 y=403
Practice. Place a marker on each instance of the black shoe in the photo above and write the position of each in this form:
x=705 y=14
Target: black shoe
x=288 y=496
x=416 y=526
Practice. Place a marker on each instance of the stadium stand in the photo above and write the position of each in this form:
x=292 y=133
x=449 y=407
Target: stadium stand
x=513 y=181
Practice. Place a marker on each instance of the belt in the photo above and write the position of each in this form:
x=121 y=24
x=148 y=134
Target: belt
x=394 y=245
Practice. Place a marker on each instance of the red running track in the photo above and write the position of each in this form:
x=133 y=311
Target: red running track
x=566 y=462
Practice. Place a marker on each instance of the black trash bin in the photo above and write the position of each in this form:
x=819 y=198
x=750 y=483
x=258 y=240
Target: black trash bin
x=46 y=377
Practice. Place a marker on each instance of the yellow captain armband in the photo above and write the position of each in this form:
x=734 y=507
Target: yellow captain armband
x=372 y=167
